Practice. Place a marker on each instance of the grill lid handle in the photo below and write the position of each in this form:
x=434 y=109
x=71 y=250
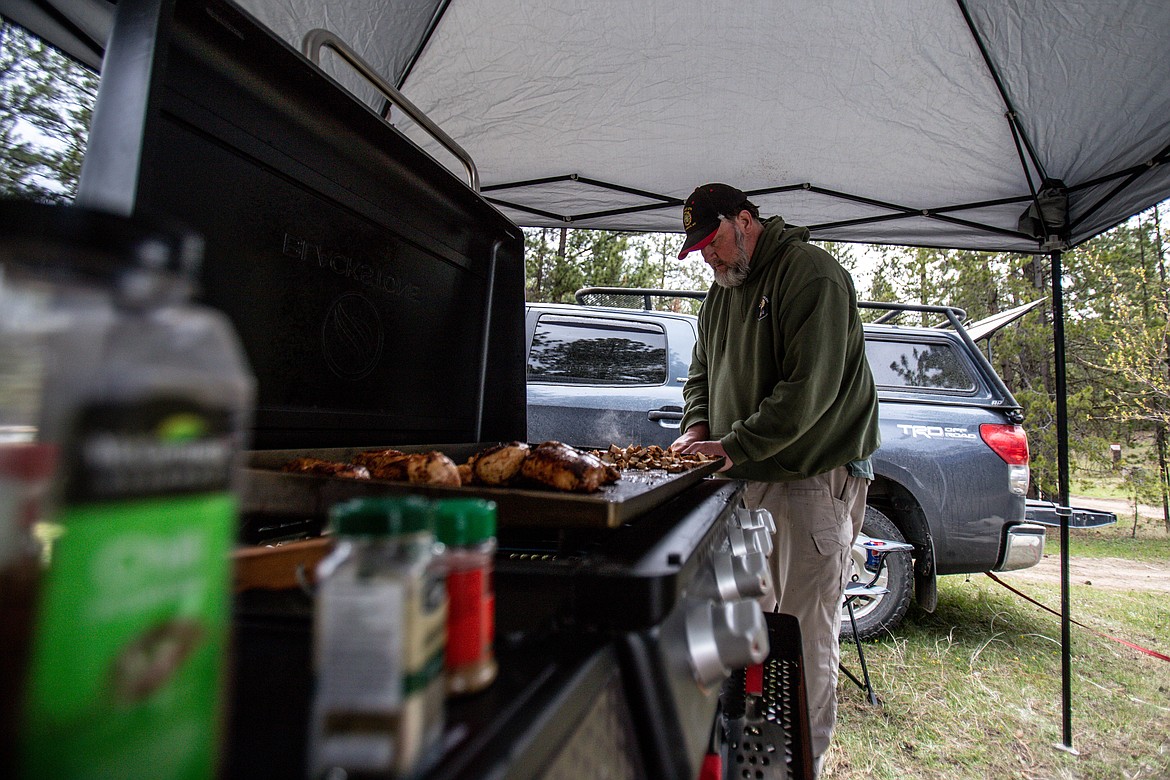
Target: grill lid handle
x=320 y=38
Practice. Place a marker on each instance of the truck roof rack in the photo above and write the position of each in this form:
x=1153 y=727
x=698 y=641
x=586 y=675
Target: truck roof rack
x=645 y=298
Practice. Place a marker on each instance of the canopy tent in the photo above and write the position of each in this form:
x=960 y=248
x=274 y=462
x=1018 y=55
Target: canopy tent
x=916 y=122
x=1007 y=125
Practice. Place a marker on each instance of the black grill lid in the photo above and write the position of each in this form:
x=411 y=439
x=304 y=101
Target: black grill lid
x=379 y=299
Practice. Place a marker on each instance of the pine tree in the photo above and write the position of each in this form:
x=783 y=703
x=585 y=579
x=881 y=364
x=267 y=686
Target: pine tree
x=46 y=101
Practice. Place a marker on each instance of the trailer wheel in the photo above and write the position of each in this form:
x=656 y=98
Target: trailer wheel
x=882 y=614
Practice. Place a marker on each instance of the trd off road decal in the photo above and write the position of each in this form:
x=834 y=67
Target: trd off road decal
x=935 y=432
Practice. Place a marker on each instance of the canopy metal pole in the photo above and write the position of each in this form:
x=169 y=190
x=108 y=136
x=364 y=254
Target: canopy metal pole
x=1063 y=488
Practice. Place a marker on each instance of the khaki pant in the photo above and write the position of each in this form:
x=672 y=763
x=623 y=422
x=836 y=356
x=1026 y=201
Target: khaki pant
x=817 y=520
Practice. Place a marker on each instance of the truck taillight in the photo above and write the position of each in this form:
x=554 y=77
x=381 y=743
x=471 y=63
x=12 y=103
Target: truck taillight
x=1009 y=442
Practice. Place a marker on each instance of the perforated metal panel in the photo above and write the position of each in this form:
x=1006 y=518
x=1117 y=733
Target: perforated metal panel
x=603 y=746
x=768 y=734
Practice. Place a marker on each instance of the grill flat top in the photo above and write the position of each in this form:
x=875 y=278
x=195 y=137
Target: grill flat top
x=267 y=490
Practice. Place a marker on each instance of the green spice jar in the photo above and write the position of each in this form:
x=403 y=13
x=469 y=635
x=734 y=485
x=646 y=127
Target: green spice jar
x=467 y=529
x=379 y=634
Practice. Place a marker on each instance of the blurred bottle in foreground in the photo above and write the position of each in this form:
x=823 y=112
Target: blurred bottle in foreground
x=25 y=470
x=144 y=399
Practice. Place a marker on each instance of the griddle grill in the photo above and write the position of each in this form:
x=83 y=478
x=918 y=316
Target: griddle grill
x=590 y=624
x=380 y=302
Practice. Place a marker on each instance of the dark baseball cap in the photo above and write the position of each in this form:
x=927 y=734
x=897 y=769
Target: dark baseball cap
x=702 y=210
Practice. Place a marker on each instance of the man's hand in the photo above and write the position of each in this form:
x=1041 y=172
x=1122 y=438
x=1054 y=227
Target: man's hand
x=697 y=439
x=712 y=449
x=696 y=433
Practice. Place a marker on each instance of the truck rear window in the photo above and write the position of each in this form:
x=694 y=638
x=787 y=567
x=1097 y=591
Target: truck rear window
x=567 y=350
x=918 y=365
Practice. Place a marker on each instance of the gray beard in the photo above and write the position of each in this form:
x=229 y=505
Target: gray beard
x=737 y=272
x=732 y=277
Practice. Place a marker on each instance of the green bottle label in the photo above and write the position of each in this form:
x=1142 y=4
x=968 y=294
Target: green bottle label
x=128 y=660
x=129 y=653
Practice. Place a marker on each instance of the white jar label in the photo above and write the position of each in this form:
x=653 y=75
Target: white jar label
x=360 y=664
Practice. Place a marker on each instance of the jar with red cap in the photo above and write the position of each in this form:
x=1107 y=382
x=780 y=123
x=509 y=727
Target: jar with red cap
x=467 y=529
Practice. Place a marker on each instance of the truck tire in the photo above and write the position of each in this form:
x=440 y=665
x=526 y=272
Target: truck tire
x=882 y=614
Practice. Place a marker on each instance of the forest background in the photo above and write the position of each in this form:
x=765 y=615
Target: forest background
x=1117 y=296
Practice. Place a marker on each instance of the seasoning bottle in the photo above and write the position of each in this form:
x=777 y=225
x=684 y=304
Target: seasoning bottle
x=145 y=397
x=467 y=529
x=379 y=633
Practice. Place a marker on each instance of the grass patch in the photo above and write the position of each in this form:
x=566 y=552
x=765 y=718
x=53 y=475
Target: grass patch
x=1111 y=542
x=1150 y=542
x=1101 y=488
x=974 y=690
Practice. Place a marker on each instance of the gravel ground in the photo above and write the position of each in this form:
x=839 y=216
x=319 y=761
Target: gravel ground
x=1118 y=573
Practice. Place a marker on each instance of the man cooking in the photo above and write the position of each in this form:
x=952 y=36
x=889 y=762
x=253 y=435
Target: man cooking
x=780 y=387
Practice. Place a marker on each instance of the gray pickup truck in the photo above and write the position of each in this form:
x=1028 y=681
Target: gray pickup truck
x=952 y=471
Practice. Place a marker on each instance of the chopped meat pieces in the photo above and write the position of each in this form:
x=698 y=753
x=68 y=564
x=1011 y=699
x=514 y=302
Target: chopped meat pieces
x=653 y=457
x=566 y=468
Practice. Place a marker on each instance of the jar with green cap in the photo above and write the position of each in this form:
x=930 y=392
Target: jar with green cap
x=467 y=529
x=379 y=635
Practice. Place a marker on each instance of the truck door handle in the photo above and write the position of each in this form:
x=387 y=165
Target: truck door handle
x=674 y=415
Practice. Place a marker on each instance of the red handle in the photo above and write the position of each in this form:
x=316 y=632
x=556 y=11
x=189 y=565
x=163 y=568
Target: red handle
x=754 y=680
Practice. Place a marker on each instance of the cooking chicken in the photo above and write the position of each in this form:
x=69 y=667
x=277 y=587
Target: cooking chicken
x=432 y=468
x=326 y=468
x=500 y=464
x=565 y=468
x=552 y=464
x=383 y=464
x=424 y=468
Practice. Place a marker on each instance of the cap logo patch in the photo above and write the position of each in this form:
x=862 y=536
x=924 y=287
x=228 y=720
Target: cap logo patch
x=688 y=218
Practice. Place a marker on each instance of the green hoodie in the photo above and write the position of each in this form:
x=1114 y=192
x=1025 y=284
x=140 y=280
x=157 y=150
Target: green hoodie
x=779 y=370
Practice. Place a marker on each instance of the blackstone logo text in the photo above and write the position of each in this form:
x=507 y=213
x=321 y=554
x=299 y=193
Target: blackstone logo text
x=343 y=265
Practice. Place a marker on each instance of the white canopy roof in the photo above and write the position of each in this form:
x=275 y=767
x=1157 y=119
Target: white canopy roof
x=920 y=122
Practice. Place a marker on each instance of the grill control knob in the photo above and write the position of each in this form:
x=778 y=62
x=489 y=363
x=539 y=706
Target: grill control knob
x=724 y=636
x=764 y=518
x=741 y=576
x=755 y=518
x=756 y=524
x=745 y=541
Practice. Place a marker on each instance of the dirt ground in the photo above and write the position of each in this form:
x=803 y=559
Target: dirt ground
x=1116 y=573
